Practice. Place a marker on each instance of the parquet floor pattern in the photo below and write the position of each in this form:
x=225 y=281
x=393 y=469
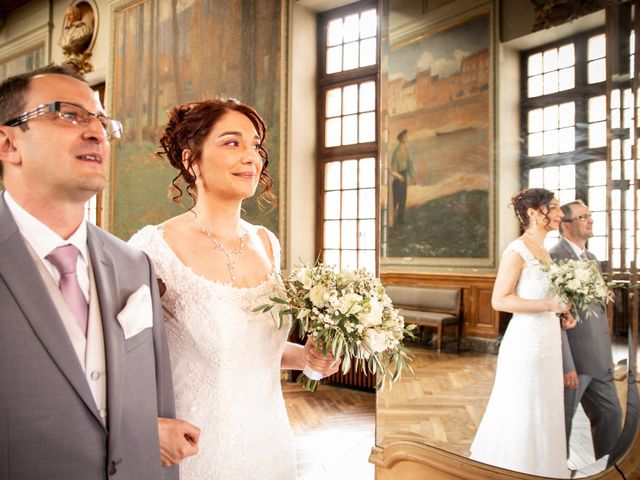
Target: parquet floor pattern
x=334 y=430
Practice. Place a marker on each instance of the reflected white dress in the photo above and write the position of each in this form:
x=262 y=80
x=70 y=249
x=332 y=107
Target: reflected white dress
x=523 y=425
x=226 y=368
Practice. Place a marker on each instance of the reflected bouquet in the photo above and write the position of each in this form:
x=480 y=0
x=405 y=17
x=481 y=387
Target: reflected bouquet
x=580 y=284
x=347 y=314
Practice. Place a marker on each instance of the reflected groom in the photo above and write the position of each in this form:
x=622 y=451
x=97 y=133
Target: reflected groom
x=586 y=349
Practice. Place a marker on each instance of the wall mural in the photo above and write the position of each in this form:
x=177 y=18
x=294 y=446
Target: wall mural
x=171 y=52
x=437 y=157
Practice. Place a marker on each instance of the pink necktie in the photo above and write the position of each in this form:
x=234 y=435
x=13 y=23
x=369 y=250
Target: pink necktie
x=65 y=259
x=584 y=256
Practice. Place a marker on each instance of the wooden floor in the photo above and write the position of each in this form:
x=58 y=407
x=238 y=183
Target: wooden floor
x=334 y=430
x=442 y=405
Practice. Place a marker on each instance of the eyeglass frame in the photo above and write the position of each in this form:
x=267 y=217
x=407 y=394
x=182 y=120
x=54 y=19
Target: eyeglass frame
x=584 y=217
x=45 y=108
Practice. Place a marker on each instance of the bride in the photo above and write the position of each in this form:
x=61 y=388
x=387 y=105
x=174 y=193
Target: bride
x=214 y=269
x=523 y=424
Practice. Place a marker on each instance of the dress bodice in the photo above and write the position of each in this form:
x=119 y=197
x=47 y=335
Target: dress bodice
x=533 y=283
x=226 y=366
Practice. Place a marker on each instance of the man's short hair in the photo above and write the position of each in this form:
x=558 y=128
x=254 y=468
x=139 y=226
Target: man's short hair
x=14 y=91
x=566 y=208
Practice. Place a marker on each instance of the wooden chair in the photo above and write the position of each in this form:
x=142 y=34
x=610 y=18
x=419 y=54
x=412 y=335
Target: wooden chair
x=437 y=308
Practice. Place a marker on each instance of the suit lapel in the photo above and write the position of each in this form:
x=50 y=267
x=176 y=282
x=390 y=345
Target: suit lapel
x=30 y=293
x=107 y=286
x=569 y=253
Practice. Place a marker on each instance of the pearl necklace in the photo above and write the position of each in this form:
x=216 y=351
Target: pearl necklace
x=231 y=264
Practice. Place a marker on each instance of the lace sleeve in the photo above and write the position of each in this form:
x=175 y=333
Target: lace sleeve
x=521 y=249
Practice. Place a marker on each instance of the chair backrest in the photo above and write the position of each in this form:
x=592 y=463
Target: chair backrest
x=445 y=300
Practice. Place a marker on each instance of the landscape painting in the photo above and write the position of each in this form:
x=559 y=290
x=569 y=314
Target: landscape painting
x=438 y=160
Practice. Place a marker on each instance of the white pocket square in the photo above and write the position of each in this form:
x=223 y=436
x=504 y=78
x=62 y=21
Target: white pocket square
x=137 y=314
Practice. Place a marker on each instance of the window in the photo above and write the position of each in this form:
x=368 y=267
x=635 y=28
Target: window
x=348 y=153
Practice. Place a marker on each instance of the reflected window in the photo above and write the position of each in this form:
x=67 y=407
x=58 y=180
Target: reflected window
x=348 y=83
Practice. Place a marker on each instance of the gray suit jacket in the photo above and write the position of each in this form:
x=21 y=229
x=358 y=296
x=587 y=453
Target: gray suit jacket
x=587 y=347
x=49 y=425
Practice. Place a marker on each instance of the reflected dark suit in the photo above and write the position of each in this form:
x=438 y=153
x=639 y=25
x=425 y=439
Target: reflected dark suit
x=587 y=350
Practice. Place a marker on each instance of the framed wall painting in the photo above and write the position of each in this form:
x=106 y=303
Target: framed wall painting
x=437 y=159
x=165 y=53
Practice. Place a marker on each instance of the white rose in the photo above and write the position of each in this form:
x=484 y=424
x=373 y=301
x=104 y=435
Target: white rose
x=350 y=303
x=376 y=340
x=317 y=295
x=573 y=285
x=374 y=315
x=582 y=275
x=303 y=275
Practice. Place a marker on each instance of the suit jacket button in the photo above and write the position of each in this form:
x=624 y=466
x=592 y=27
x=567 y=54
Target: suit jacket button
x=113 y=467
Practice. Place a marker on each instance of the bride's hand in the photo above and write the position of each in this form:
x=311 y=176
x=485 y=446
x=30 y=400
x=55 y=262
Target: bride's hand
x=568 y=321
x=327 y=365
x=556 y=306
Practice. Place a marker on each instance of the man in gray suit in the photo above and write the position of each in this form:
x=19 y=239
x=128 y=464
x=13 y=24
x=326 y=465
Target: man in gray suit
x=586 y=349
x=85 y=380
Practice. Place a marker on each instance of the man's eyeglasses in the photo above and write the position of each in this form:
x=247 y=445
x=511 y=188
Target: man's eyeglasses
x=70 y=113
x=583 y=218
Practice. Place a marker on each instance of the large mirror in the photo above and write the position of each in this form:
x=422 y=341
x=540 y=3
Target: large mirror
x=476 y=105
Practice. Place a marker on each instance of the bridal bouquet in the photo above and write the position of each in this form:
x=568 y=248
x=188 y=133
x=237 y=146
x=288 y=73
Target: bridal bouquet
x=347 y=314
x=579 y=283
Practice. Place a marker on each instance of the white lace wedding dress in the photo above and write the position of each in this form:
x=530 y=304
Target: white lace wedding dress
x=226 y=369
x=523 y=425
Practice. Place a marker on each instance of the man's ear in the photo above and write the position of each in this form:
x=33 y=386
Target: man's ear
x=9 y=152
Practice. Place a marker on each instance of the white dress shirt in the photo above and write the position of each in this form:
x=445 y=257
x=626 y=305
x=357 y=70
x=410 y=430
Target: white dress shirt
x=43 y=240
x=576 y=249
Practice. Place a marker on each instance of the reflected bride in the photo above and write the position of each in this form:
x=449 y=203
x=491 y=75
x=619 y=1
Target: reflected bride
x=523 y=425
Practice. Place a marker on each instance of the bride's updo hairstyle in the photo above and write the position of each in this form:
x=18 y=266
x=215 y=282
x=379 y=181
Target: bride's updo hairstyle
x=187 y=129
x=536 y=198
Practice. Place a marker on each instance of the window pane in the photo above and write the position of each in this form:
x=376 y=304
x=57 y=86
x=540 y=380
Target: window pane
x=597 y=108
x=550 y=142
x=567 y=176
x=615 y=199
x=599 y=223
x=534 y=64
x=535 y=120
x=597 y=135
x=351 y=28
x=334 y=59
x=550 y=82
x=597 y=71
x=350 y=204
x=367 y=172
x=550 y=60
x=551 y=178
x=333 y=102
x=566 y=56
x=333 y=127
x=598 y=246
x=368 y=24
x=566 y=196
x=567 y=114
x=596 y=47
x=350 y=130
x=615 y=98
x=597 y=198
x=332 y=234
x=368 y=52
x=367 y=203
x=566 y=79
x=349 y=260
x=536 y=179
x=367 y=234
x=597 y=173
x=334 y=32
x=535 y=144
x=332 y=257
x=367 y=260
x=534 y=86
x=350 y=174
x=350 y=59
x=616 y=152
x=367 y=127
x=349 y=234
x=332 y=176
x=367 y=96
x=551 y=117
x=350 y=100
x=332 y=205
x=567 y=139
